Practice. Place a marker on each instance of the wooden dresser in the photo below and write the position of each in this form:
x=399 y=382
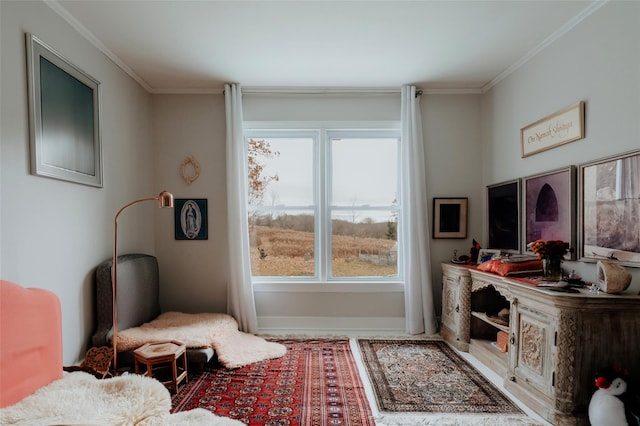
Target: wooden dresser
x=557 y=341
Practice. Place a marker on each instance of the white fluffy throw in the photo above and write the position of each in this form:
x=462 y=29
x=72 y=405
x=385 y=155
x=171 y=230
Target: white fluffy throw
x=219 y=331
x=79 y=398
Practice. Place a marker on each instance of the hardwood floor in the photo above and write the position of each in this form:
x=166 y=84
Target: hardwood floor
x=497 y=380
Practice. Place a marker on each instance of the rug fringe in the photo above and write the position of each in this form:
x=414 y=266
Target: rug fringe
x=366 y=380
x=425 y=419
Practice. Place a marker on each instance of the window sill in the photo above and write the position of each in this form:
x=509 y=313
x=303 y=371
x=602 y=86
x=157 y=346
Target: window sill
x=333 y=287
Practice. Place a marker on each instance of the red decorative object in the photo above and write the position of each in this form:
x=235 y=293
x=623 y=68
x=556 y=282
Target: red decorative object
x=503 y=341
x=510 y=269
x=315 y=383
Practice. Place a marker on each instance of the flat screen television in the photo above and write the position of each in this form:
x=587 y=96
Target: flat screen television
x=503 y=203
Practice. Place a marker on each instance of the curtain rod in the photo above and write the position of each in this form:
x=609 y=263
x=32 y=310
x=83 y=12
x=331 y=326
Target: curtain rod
x=322 y=91
x=319 y=90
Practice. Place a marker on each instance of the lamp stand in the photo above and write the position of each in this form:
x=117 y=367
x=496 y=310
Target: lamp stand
x=165 y=199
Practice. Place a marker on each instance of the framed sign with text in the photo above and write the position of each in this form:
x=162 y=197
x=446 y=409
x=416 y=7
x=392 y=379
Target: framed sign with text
x=557 y=129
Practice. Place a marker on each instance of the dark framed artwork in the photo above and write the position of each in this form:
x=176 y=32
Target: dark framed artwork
x=191 y=219
x=64 y=117
x=549 y=207
x=503 y=213
x=609 y=203
x=450 y=217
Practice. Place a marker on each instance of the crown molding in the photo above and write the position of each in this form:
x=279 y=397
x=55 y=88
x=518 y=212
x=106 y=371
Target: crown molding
x=60 y=10
x=190 y=91
x=572 y=23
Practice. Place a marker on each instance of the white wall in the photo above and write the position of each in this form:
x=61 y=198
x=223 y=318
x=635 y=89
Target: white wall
x=597 y=62
x=453 y=151
x=54 y=233
x=194 y=275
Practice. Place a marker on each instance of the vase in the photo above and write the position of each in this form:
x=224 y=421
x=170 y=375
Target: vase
x=612 y=278
x=552 y=268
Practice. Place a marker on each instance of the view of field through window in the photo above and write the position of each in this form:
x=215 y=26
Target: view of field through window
x=362 y=212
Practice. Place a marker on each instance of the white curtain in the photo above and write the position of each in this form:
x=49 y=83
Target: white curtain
x=240 y=300
x=418 y=293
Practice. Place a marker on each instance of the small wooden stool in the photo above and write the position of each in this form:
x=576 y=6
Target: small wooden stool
x=165 y=355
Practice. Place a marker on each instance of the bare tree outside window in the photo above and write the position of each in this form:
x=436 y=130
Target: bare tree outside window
x=257 y=152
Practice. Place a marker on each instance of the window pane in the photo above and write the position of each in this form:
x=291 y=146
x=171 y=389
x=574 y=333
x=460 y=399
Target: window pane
x=342 y=183
x=364 y=171
x=282 y=243
x=280 y=171
x=364 y=243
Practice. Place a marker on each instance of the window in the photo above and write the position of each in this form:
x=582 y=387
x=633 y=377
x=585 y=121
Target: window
x=323 y=204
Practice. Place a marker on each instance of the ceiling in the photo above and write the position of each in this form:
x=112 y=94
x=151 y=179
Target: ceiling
x=181 y=46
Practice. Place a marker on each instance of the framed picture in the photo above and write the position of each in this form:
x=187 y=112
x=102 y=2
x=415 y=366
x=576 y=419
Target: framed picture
x=450 y=217
x=503 y=213
x=609 y=209
x=554 y=130
x=485 y=255
x=64 y=117
x=191 y=219
x=549 y=208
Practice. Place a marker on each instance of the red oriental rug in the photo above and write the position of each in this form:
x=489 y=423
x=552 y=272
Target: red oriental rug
x=315 y=383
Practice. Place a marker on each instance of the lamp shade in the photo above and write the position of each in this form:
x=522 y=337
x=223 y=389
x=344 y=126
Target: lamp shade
x=165 y=199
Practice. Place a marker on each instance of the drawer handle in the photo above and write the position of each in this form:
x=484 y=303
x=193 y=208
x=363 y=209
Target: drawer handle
x=512 y=340
x=457 y=308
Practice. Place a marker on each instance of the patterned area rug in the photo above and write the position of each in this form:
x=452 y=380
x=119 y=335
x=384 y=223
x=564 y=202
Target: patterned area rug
x=428 y=376
x=315 y=383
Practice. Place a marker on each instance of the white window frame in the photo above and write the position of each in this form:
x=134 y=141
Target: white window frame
x=321 y=132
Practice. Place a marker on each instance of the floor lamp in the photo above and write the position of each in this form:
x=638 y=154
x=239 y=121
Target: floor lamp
x=164 y=199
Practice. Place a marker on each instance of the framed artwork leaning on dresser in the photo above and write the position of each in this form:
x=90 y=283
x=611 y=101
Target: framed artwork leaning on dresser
x=503 y=205
x=609 y=209
x=549 y=208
